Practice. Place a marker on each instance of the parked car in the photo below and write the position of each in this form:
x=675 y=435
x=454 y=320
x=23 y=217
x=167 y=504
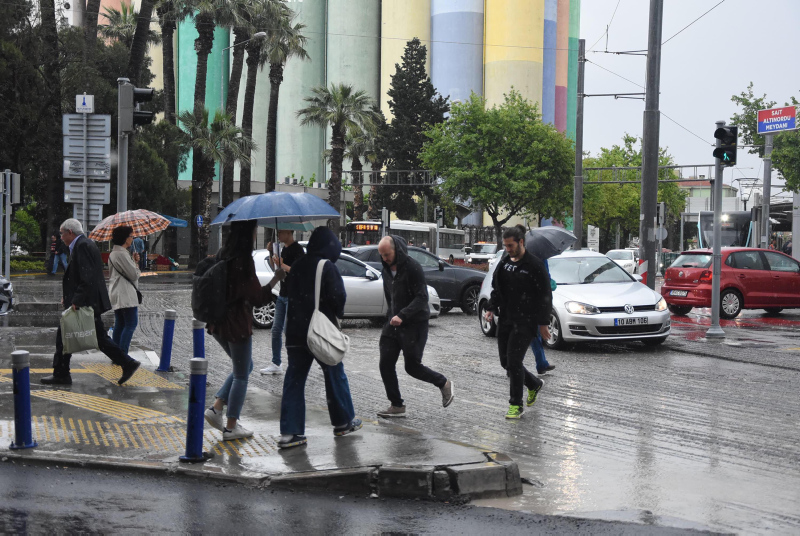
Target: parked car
x=6 y=295
x=457 y=286
x=363 y=284
x=595 y=300
x=481 y=252
x=750 y=278
x=625 y=258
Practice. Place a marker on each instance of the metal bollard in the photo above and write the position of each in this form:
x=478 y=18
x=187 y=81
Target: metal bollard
x=21 y=372
x=166 y=340
x=194 y=421
x=198 y=338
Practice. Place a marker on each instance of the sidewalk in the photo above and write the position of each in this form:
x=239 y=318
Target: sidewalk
x=142 y=426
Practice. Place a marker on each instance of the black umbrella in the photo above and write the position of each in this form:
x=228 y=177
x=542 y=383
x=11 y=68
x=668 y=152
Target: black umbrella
x=546 y=242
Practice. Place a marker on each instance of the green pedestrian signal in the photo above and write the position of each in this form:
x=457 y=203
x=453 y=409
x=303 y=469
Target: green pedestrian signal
x=726 y=152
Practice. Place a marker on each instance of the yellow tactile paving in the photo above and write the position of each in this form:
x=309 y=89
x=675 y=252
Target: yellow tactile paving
x=48 y=371
x=6 y=379
x=111 y=408
x=142 y=377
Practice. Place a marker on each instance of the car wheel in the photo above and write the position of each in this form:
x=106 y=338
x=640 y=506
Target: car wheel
x=556 y=340
x=773 y=310
x=488 y=327
x=680 y=310
x=730 y=304
x=263 y=317
x=446 y=309
x=452 y=260
x=654 y=342
x=469 y=300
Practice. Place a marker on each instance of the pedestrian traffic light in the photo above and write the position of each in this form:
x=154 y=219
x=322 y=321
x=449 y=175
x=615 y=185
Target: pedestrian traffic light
x=726 y=152
x=129 y=99
x=439 y=214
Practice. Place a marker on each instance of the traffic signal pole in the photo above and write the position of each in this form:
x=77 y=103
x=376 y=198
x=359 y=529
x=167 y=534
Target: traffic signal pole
x=577 y=199
x=122 y=154
x=715 y=331
x=765 y=226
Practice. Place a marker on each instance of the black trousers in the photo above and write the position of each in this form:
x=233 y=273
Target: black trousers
x=411 y=341
x=513 y=341
x=105 y=344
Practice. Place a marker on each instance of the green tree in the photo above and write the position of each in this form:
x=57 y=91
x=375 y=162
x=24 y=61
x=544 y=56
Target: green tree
x=26 y=227
x=217 y=141
x=359 y=148
x=120 y=25
x=343 y=110
x=504 y=158
x=415 y=105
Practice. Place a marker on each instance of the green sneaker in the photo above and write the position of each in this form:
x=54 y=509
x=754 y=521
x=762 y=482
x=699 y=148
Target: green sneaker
x=514 y=412
x=532 y=394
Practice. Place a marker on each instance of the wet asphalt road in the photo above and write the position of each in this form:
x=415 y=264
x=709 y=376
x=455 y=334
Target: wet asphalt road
x=691 y=434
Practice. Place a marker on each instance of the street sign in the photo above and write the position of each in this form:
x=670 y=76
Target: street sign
x=777 y=120
x=95 y=148
x=84 y=104
x=95 y=213
x=593 y=238
x=97 y=126
x=199 y=220
x=98 y=193
x=661 y=233
x=95 y=169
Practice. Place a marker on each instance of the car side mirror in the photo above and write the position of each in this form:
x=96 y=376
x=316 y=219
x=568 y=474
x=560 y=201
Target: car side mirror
x=467 y=251
x=441 y=266
x=637 y=277
x=372 y=276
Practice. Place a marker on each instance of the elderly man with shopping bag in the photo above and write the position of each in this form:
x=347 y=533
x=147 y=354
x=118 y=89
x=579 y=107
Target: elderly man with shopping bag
x=84 y=287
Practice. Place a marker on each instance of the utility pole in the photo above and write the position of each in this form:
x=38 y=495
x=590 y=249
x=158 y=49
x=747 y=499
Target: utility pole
x=765 y=226
x=577 y=198
x=715 y=331
x=652 y=122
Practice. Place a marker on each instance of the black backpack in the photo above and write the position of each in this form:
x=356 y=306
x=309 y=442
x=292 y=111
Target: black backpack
x=210 y=290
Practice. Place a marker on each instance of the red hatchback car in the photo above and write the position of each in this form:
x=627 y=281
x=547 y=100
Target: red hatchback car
x=750 y=279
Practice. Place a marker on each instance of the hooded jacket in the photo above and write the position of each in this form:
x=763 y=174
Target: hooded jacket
x=521 y=292
x=323 y=244
x=406 y=290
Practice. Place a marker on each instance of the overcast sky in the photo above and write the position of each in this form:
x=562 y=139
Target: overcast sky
x=697 y=81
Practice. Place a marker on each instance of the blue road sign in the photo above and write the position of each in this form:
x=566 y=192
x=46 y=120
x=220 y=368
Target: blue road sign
x=199 y=220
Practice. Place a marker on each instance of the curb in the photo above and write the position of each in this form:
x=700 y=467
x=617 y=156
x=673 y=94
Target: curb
x=498 y=476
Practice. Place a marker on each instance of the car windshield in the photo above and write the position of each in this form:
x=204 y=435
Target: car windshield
x=692 y=260
x=584 y=270
x=620 y=255
x=488 y=249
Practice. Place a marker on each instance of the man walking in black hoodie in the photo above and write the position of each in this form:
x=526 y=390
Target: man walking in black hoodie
x=522 y=300
x=407 y=330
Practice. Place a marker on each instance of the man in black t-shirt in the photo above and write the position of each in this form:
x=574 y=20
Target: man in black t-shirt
x=289 y=255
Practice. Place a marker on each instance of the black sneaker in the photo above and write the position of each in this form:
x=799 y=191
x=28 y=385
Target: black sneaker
x=56 y=380
x=548 y=368
x=294 y=441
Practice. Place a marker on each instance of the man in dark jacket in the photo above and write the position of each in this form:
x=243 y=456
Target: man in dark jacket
x=85 y=286
x=522 y=299
x=323 y=245
x=407 y=329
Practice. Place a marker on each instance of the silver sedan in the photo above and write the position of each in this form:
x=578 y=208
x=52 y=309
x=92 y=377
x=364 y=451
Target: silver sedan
x=363 y=284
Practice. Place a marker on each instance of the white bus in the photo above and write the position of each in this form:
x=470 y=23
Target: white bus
x=450 y=244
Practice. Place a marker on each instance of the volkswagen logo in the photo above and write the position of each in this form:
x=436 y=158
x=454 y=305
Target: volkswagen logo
x=629 y=309
x=680 y=274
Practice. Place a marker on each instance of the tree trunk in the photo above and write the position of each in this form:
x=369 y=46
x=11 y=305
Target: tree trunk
x=139 y=46
x=358 y=189
x=52 y=117
x=275 y=80
x=168 y=72
x=247 y=114
x=240 y=35
x=90 y=29
x=335 y=183
x=374 y=212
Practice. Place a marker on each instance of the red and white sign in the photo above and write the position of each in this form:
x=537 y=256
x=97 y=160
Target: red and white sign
x=777 y=120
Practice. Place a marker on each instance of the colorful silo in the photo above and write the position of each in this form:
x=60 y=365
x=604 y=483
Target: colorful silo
x=562 y=65
x=572 y=91
x=549 y=67
x=513 y=44
x=457 y=47
x=401 y=21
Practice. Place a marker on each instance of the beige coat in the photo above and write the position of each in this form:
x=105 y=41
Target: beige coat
x=121 y=291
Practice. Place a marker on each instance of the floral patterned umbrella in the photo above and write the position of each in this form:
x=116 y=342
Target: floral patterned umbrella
x=143 y=222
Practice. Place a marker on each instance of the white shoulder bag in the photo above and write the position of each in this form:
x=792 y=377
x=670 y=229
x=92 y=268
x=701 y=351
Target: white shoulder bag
x=325 y=340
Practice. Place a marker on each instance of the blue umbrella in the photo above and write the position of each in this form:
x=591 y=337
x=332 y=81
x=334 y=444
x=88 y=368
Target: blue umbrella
x=273 y=208
x=175 y=222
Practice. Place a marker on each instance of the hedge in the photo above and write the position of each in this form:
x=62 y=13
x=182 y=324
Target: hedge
x=26 y=266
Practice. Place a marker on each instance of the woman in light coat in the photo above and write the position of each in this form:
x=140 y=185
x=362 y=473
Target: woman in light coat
x=123 y=284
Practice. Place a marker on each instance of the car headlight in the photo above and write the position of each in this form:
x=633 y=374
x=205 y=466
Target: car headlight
x=432 y=292
x=661 y=305
x=578 y=308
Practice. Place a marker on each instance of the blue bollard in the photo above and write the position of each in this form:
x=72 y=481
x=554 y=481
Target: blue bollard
x=23 y=433
x=166 y=340
x=198 y=339
x=194 y=421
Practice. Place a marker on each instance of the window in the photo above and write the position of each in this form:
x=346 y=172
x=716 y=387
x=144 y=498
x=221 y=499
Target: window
x=374 y=256
x=620 y=255
x=425 y=260
x=350 y=269
x=694 y=260
x=578 y=271
x=781 y=263
x=746 y=260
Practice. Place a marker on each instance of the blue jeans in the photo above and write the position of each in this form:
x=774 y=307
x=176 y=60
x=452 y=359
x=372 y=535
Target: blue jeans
x=125 y=322
x=59 y=257
x=538 y=353
x=293 y=404
x=278 y=323
x=234 y=388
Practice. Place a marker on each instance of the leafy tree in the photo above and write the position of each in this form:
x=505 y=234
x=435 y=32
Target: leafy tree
x=343 y=110
x=415 y=105
x=504 y=158
x=378 y=158
x=120 y=25
x=217 y=141
x=359 y=148
x=26 y=227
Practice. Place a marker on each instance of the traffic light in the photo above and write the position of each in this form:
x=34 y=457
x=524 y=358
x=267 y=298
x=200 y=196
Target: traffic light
x=439 y=215
x=729 y=137
x=662 y=213
x=129 y=114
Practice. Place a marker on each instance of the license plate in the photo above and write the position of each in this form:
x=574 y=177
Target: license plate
x=630 y=321
x=681 y=293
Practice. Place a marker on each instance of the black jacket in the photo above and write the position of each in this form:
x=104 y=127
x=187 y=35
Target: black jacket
x=521 y=292
x=322 y=245
x=406 y=291
x=84 y=284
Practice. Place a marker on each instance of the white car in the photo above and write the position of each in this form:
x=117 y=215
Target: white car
x=480 y=253
x=626 y=258
x=595 y=300
x=363 y=284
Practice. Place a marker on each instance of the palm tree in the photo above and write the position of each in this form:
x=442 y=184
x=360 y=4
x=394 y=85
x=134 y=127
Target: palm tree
x=142 y=37
x=377 y=159
x=343 y=110
x=120 y=25
x=359 y=148
x=169 y=15
x=220 y=141
x=90 y=29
